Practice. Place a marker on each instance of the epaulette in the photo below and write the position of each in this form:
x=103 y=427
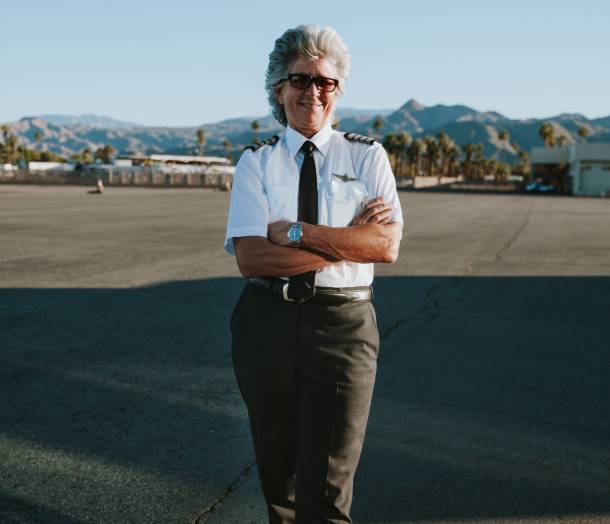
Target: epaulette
x=353 y=137
x=269 y=142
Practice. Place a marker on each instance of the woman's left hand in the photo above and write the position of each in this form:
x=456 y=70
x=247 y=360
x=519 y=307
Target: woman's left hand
x=375 y=211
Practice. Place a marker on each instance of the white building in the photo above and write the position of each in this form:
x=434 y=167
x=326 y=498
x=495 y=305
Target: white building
x=581 y=168
x=165 y=160
x=41 y=167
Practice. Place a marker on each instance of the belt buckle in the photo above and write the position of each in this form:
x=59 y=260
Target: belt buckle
x=288 y=299
x=285 y=293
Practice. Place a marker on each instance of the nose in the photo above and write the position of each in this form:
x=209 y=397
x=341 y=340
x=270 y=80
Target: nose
x=313 y=89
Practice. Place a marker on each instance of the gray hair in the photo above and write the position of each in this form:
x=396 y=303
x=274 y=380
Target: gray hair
x=304 y=41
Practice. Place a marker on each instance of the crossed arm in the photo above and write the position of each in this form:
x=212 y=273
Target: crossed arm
x=370 y=238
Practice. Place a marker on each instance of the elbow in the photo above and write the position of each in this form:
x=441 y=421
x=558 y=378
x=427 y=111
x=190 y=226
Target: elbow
x=244 y=257
x=390 y=253
x=393 y=243
x=389 y=257
x=245 y=270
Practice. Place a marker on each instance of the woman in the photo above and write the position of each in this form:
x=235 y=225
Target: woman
x=311 y=211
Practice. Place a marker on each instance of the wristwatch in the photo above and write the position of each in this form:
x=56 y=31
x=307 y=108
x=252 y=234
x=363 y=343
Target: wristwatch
x=295 y=234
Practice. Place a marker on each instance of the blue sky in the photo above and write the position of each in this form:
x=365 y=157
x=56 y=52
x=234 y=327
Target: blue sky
x=193 y=62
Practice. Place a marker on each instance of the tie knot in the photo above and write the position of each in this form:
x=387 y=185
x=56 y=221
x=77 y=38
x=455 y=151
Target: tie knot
x=308 y=147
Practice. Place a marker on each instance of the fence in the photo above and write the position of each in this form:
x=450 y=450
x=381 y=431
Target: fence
x=144 y=177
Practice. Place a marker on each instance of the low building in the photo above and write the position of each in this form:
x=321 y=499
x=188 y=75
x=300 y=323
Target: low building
x=42 y=167
x=165 y=170
x=168 y=160
x=582 y=168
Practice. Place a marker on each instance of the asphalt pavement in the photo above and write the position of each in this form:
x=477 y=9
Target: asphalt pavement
x=118 y=402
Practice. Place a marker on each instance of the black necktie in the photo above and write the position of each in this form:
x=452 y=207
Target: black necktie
x=302 y=287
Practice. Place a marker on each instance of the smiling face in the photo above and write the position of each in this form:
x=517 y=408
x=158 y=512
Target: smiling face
x=308 y=110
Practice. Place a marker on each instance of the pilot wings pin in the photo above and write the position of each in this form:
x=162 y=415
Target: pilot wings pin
x=344 y=177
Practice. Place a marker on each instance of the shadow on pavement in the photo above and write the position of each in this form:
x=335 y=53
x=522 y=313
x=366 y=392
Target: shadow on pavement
x=15 y=510
x=491 y=402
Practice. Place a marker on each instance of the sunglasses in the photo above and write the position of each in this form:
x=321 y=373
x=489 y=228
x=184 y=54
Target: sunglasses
x=301 y=81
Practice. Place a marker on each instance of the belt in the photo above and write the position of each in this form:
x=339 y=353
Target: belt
x=323 y=295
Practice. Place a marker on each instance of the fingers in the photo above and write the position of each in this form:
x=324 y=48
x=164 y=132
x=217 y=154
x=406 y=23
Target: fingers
x=374 y=202
x=381 y=217
x=369 y=216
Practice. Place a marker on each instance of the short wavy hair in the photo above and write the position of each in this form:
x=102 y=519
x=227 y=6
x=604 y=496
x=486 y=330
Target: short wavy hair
x=309 y=42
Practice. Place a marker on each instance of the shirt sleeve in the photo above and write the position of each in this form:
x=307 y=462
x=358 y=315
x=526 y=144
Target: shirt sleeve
x=380 y=180
x=249 y=208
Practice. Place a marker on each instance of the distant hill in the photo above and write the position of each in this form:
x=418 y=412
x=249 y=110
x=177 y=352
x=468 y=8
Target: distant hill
x=67 y=135
x=349 y=112
x=88 y=120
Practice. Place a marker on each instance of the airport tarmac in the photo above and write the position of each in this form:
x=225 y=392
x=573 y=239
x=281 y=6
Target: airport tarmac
x=117 y=397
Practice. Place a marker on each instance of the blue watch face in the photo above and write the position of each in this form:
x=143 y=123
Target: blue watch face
x=294 y=234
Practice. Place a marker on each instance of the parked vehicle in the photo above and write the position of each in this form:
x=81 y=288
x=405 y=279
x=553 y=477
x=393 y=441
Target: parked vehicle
x=540 y=186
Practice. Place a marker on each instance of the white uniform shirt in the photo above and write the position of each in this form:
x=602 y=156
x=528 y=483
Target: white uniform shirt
x=266 y=189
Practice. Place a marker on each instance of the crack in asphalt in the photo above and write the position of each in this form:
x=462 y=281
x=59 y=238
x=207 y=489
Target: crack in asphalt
x=515 y=235
x=430 y=310
x=243 y=475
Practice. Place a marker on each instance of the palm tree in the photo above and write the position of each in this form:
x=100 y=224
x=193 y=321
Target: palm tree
x=201 y=141
x=503 y=136
x=3 y=147
x=524 y=166
x=378 y=123
x=404 y=139
x=547 y=133
x=469 y=150
x=583 y=131
x=416 y=150
x=104 y=154
x=11 y=148
x=396 y=147
x=226 y=143
x=502 y=171
x=452 y=153
x=255 y=127
x=562 y=140
x=444 y=143
x=336 y=122
x=432 y=153
x=86 y=157
x=6 y=129
x=489 y=166
x=479 y=158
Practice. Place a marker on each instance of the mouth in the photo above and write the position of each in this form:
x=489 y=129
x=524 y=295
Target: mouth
x=310 y=105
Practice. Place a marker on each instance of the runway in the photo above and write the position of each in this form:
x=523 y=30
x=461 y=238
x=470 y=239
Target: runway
x=118 y=401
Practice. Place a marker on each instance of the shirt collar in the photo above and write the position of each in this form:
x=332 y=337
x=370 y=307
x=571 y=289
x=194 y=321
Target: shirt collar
x=294 y=140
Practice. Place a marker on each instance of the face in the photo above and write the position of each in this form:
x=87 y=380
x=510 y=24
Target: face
x=308 y=110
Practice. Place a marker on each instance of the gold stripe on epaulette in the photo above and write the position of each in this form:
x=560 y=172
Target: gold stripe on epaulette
x=268 y=142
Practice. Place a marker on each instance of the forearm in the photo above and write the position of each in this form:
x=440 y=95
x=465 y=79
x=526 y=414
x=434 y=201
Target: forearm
x=257 y=257
x=362 y=243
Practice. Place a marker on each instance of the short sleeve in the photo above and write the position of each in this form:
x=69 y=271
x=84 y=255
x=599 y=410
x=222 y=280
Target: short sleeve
x=249 y=208
x=380 y=180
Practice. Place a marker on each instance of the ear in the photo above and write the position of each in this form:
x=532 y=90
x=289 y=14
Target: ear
x=278 y=94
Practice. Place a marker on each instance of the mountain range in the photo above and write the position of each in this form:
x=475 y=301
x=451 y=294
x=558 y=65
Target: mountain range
x=67 y=135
